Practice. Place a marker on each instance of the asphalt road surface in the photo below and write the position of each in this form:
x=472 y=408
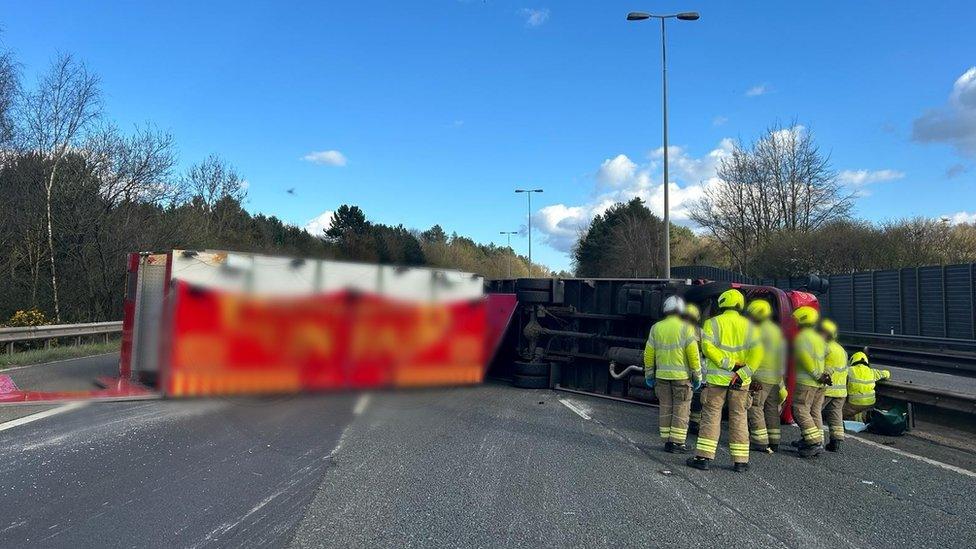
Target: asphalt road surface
x=486 y=466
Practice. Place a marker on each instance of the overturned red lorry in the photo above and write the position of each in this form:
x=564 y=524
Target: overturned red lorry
x=199 y=323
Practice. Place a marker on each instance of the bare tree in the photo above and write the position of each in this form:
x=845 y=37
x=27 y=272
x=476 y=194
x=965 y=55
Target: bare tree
x=132 y=168
x=210 y=182
x=781 y=183
x=65 y=102
x=9 y=88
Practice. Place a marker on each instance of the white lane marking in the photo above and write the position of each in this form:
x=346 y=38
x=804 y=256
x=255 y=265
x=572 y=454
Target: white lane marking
x=12 y=368
x=361 y=403
x=41 y=415
x=923 y=459
x=574 y=407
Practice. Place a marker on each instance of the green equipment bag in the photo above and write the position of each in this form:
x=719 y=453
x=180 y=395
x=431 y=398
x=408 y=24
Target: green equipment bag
x=892 y=422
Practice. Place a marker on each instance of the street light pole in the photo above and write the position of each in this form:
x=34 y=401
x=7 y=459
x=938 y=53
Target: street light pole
x=684 y=16
x=509 y=235
x=528 y=193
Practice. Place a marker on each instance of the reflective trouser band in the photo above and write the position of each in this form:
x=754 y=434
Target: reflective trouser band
x=837 y=431
x=707 y=447
x=760 y=436
x=774 y=436
x=813 y=434
x=665 y=432
x=678 y=436
x=739 y=449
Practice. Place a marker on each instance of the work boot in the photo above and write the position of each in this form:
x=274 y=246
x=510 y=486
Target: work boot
x=833 y=445
x=773 y=448
x=740 y=467
x=762 y=448
x=809 y=450
x=676 y=448
x=699 y=463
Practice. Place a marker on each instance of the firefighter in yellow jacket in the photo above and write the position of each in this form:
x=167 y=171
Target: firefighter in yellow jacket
x=809 y=353
x=764 y=424
x=733 y=353
x=861 y=378
x=672 y=366
x=836 y=394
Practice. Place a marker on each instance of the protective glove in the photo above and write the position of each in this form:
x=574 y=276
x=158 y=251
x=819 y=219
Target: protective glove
x=755 y=387
x=696 y=383
x=824 y=379
x=649 y=381
x=885 y=374
x=736 y=380
x=783 y=393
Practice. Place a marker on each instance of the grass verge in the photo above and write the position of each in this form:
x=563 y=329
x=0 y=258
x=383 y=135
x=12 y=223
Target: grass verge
x=38 y=356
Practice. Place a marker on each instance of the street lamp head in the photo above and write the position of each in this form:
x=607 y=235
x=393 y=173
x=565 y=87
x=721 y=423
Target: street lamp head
x=638 y=16
x=537 y=190
x=688 y=16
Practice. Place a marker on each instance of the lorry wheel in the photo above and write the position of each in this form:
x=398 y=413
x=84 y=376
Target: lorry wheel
x=532 y=368
x=531 y=382
x=532 y=296
x=539 y=284
x=637 y=381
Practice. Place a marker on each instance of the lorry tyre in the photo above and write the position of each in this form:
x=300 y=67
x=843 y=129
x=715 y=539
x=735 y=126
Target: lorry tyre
x=645 y=395
x=539 y=284
x=532 y=296
x=532 y=368
x=531 y=382
x=637 y=380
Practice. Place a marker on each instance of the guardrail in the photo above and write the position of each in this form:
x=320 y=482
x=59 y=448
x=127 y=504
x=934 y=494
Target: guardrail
x=9 y=336
x=920 y=342
x=932 y=354
x=938 y=398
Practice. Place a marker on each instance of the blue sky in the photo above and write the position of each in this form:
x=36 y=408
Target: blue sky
x=433 y=111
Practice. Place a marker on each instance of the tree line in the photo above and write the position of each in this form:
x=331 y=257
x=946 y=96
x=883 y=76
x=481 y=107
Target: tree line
x=77 y=193
x=777 y=209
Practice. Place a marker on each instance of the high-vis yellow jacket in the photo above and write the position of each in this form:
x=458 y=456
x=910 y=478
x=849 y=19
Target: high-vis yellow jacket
x=774 y=353
x=671 y=352
x=809 y=355
x=727 y=340
x=860 y=384
x=836 y=365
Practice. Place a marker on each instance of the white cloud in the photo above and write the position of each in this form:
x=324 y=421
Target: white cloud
x=320 y=223
x=955 y=122
x=328 y=158
x=616 y=171
x=757 y=90
x=534 y=17
x=719 y=120
x=962 y=217
x=620 y=179
x=861 y=178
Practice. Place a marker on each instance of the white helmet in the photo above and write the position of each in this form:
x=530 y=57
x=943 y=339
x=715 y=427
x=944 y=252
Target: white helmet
x=673 y=305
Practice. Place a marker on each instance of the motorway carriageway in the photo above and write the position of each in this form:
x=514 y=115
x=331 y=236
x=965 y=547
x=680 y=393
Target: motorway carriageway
x=486 y=466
